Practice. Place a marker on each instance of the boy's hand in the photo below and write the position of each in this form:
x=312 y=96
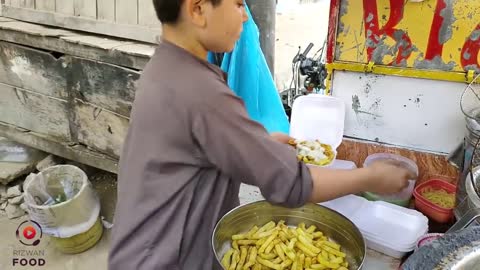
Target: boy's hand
x=388 y=177
x=281 y=137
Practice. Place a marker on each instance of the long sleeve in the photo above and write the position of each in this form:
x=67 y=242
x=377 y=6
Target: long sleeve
x=242 y=149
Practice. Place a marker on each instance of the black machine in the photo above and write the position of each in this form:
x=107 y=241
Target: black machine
x=309 y=74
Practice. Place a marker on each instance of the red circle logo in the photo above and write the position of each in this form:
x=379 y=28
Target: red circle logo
x=29 y=232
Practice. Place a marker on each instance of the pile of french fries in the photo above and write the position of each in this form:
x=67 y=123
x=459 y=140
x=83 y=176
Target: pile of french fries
x=279 y=247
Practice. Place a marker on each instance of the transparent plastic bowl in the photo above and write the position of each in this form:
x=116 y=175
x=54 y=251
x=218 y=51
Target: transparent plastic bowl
x=401 y=198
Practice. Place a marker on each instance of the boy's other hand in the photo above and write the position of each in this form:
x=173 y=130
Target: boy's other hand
x=387 y=177
x=281 y=137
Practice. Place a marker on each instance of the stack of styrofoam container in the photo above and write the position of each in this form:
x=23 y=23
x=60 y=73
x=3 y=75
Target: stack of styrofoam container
x=387 y=228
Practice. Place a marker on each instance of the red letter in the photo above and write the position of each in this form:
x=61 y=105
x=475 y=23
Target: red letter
x=470 y=51
x=374 y=34
x=435 y=47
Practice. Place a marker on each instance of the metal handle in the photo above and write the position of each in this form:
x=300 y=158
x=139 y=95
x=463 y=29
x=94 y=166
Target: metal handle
x=465 y=220
x=307 y=50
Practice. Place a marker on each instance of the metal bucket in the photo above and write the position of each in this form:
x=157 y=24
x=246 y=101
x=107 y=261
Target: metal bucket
x=334 y=225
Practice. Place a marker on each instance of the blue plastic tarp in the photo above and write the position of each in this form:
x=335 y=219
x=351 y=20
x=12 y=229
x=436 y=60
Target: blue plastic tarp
x=250 y=78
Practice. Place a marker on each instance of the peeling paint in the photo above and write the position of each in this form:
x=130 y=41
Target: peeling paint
x=467 y=55
x=381 y=49
x=356 y=104
x=356 y=107
x=435 y=63
x=369 y=18
x=343 y=11
x=473 y=67
x=448 y=20
x=475 y=35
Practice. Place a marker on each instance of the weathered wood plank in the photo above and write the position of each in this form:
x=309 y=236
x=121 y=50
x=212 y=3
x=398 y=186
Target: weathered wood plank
x=86 y=8
x=126 y=11
x=100 y=129
x=123 y=53
x=15 y=3
x=66 y=150
x=46 y=5
x=146 y=13
x=104 y=85
x=65 y=7
x=34 y=112
x=32 y=69
x=106 y=10
x=27 y=3
x=135 y=32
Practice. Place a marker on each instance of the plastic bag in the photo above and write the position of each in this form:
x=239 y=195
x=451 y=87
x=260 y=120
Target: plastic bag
x=11 y=151
x=250 y=78
x=62 y=200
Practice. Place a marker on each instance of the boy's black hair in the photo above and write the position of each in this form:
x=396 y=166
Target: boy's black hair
x=168 y=11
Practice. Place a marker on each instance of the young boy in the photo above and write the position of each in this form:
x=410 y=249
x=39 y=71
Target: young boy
x=191 y=144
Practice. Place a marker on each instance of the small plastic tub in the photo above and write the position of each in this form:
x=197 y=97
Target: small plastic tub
x=401 y=198
x=430 y=209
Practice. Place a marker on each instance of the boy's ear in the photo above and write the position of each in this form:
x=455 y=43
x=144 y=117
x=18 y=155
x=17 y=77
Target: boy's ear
x=196 y=11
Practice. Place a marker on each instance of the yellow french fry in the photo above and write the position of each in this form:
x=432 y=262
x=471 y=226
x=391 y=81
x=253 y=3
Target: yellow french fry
x=286 y=263
x=257 y=267
x=269 y=240
x=267 y=263
x=305 y=249
x=280 y=252
x=290 y=254
x=252 y=258
x=309 y=244
x=324 y=255
x=334 y=251
x=266 y=256
x=328 y=264
x=243 y=257
x=239 y=237
x=271 y=246
x=235 y=245
x=246 y=242
x=317 y=235
x=301 y=261
x=235 y=258
x=227 y=259
x=311 y=229
x=270 y=225
x=292 y=243
x=277 y=260
x=308 y=262
x=342 y=268
x=252 y=232
x=337 y=260
x=318 y=266
x=263 y=234
x=302 y=226
x=331 y=244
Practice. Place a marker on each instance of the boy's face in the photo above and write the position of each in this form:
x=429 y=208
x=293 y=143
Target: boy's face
x=223 y=25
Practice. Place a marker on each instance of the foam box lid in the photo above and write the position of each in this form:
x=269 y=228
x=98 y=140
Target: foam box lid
x=318 y=117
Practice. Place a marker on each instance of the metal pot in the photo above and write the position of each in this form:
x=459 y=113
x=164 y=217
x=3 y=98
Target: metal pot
x=336 y=226
x=458 y=249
